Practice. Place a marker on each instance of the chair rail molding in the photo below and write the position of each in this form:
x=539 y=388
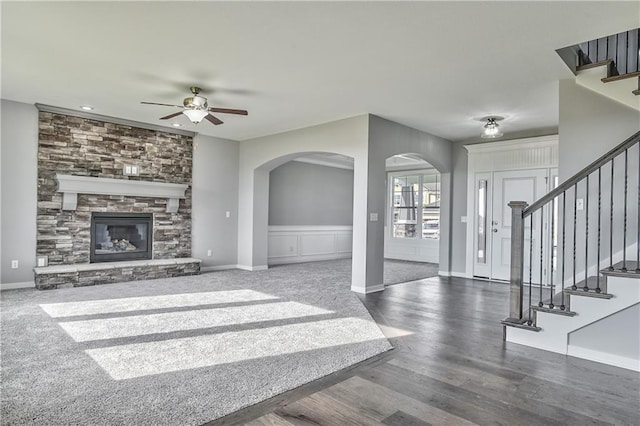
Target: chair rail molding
x=71 y=186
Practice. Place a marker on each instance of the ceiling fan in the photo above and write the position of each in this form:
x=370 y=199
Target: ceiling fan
x=196 y=108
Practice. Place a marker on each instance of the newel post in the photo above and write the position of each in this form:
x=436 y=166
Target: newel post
x=517 y=261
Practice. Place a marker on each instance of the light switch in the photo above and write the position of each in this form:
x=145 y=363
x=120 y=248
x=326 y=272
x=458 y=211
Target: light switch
x=228 y=214
x=579 y=204
x=373 y=217
x=463 y=219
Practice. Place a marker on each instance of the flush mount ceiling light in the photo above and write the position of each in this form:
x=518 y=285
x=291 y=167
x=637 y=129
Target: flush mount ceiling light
x=491 y=127
x=176 y=124
x=86 y=107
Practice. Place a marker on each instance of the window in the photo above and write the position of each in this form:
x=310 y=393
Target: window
x=415 y=205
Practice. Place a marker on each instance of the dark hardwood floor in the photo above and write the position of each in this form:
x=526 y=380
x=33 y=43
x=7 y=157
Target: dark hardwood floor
x=450 y=366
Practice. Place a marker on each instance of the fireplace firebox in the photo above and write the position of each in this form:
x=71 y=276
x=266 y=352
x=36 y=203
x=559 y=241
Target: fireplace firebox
x=121 y=236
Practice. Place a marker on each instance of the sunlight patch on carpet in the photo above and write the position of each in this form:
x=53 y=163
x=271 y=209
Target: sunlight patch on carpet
x=144 y=359
x=139 y=325
x=107 y=306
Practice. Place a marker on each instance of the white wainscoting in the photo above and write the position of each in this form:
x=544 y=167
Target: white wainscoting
x=295 y=244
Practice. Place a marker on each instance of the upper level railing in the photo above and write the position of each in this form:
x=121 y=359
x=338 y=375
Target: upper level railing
x=583 y=225
x=621 y=49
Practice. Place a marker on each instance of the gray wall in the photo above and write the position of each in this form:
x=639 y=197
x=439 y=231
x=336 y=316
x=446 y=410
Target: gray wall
x=459 y=209
x=19 y=188
x=590 y=125
x=310 y=194
x=387 y=138
x=215 y=192
x=624 y=341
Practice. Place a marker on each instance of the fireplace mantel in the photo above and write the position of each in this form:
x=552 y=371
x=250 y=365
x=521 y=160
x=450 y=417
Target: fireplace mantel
x=71 y=186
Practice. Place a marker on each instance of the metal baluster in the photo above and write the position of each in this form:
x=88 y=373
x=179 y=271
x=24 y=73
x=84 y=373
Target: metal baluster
x=638 y=210
x=586 y=238
x=611 y=223
x=575 y=217
x=598 y=290
x=564 y=221
x=529 y=322
x=624 y=212
x=626 y=60
x=553 y=209
x=542 y=254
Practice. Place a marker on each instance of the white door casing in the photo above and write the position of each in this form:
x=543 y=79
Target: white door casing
x=531 y=156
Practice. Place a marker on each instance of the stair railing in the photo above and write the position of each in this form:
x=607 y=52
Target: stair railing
x=621 y=49
x=606 y=209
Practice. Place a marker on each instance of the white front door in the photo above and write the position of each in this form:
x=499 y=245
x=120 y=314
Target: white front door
x=518 y=185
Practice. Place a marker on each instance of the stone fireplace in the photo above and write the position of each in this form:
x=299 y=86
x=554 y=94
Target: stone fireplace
x=82 y=185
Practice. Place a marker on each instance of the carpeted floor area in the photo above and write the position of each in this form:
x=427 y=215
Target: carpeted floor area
x=179 y=351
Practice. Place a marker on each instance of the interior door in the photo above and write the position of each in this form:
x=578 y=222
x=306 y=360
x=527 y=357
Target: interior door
x=517 y=185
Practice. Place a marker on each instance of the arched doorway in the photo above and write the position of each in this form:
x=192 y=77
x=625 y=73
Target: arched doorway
x=412 y=219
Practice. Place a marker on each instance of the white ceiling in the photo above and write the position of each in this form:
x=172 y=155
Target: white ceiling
x=433 y=66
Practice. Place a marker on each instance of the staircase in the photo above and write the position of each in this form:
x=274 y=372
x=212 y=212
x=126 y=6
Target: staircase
x=590 y=306
x=608 y=65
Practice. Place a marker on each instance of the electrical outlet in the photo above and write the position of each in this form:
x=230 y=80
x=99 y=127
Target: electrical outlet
x=209 y=253
x=14 y=264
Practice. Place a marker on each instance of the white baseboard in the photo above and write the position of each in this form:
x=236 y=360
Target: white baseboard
x=253 y=268
x=308 y=258
x=13 y=286
x=368 y=289
x=604 y=358
x=218 y=268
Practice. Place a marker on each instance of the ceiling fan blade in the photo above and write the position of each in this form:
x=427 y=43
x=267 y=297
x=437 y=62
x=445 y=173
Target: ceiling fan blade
x=212 y=119
x=155 y=103
x=229 y=111
x=166 y=117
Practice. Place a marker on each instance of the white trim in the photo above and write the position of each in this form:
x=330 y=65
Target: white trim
x=309 y=228
x=217 y=268
x=604 y=358
x=513 y=144
x=253 y=268
x=517 y=154
x=460 y=275
x=71 y=186
x=14 y=286
x=368 y=289
x=308 y=258
x=444 y=273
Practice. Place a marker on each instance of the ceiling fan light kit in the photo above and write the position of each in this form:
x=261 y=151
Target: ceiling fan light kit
x=196 y=109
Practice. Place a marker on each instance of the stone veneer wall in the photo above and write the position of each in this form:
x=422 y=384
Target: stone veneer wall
x=86 y=147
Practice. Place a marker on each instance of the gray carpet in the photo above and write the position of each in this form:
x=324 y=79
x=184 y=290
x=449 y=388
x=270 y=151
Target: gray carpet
x=179 y=351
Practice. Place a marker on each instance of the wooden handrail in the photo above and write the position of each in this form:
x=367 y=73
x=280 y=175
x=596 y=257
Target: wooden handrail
x=582 y=174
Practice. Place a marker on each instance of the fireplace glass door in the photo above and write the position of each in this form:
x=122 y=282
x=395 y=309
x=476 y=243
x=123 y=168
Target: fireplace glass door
x=121 y=236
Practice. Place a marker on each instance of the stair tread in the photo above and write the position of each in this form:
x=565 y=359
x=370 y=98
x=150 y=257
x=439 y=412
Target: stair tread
x=523 y=326
x=631 y=272
x=554 y=310
x=590 y=293
x=594 y=65
x=621 y=77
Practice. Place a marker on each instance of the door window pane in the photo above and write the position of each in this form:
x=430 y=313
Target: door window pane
x=405 y=206
x=431 y=206
x=481 y=251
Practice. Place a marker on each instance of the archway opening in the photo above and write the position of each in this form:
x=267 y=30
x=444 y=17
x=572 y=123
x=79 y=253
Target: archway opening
x=412 y=219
